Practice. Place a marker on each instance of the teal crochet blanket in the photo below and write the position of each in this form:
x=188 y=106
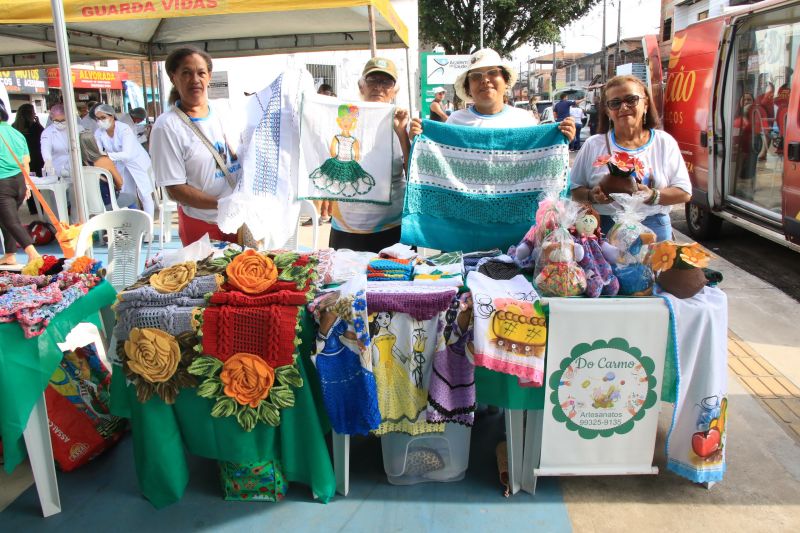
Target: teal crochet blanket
x=475 y=188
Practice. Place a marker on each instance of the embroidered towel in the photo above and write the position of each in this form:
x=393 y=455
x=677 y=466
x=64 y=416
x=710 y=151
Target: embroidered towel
x=441 y=275
x=346 y=150
x=265 y=198
x=473 y=188
x=509 y=327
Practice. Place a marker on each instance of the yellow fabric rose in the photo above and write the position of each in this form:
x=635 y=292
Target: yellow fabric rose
x=251 y=272
x=153 y=354
x=247 y=378
x=33 y=266
x=174 y=278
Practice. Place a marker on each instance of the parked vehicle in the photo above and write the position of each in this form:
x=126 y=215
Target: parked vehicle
x=729 y=103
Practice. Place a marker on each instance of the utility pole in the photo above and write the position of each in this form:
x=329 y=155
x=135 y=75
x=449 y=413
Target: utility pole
x=481 y=24
x=619 y=29
x=605 y=54
x=553 y=74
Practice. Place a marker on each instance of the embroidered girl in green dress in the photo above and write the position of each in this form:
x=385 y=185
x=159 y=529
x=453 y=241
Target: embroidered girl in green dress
x=341 y=174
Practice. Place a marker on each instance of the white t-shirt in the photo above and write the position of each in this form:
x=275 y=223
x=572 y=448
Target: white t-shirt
x=664 y=167
x=364 y=218
x=577 y=113
x=509 y=117
x=180 y=157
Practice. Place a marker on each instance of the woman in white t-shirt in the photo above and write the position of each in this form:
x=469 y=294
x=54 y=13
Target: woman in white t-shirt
x=628 y=124
x=183 y=164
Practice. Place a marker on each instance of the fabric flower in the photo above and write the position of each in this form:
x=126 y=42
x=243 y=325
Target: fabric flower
x=247 y=378
x=174 y=278
x=48 y=262
x=33 y=266
x=601 y=160
x=81 y=265
x=153 y=354
x=662 y=256
x=694 y=255
x=251 y=272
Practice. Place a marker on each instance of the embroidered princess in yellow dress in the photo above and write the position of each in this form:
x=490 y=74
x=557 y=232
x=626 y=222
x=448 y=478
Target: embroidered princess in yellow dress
x=342 y=174
x=400 y=401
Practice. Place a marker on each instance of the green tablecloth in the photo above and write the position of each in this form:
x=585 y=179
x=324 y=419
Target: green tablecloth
x=27 y=364
x=161 y=431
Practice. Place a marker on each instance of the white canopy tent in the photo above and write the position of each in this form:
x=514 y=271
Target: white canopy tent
x=48 y=32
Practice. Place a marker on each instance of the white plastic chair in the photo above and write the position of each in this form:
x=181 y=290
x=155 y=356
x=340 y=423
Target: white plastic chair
x=125 y=229
x=307 y=209
x=94 y=197
x=166 y=206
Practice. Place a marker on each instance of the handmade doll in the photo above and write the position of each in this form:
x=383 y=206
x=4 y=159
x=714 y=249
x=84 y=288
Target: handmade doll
x=560 y=274
x=599 y=277
x=630 y=241
x=547 y=215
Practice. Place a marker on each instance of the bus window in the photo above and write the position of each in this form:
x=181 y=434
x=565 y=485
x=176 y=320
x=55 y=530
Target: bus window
x=765 y=52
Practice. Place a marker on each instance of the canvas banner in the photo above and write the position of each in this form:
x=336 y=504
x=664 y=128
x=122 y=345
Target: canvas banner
x=605 y=361
x=346 y=151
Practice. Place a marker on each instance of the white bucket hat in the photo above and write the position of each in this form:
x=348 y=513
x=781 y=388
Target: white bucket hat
x=485 y=57
x=437 y=90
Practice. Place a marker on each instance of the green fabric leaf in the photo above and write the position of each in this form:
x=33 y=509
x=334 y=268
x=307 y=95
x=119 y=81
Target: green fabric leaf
x=282 y=396
x=247 y=418
x=224 y=407
x=205 y=366
x=269 y=414
x=285 y=260
x=209 y=388
x=291 y=273
x=290 y=375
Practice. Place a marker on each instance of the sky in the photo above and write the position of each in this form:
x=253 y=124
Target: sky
x=639 y=17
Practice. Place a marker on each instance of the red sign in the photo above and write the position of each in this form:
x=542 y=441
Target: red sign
x=87 y=79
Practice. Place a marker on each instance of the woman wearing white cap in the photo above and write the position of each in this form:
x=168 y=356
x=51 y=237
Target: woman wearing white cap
x=437 y=111
x=484 y=83
x=119 y=142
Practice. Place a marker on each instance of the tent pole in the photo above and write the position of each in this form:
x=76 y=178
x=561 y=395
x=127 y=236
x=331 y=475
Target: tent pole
x=153 y=91
x=373 y=42
x=411 y=89
x=144 y=84
x=68 y=95
x=162 y=93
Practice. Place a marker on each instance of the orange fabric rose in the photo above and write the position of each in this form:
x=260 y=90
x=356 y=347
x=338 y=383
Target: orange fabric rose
x=174 y=278
x=662 y=255
x=247 y=378
x=695 y=256
x=251 y=272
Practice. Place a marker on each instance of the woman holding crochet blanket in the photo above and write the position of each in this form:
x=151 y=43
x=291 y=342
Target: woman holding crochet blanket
x=484 y=84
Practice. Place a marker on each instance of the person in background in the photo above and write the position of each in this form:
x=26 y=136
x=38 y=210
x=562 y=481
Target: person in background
x=630 y=125
x=27 y=123
x=119 y=143
x=593 y=115
x=13 y=191
x=326 y=90
x=92 y=156
x=371 y=227
x=55 y=144
x=140 y=126
x=577 y=115
x=562 y=107
x=181 y=161
x=437 y=111
x=85 y=120
x=534 y=109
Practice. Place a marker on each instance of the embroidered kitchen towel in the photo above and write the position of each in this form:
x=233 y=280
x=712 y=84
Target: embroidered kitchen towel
x=266 y=196
x=346 y=150
x=510 y=327
x=474 y=188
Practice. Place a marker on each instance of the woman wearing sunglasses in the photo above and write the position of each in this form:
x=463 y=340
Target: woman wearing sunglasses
x=627 y=123
x=484 y=84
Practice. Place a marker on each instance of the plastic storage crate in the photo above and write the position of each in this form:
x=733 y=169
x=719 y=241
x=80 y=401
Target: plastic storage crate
x=410 y=459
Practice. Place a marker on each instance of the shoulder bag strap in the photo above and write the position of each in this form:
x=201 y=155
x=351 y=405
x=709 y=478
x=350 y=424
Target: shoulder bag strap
x=217 y=157
x=29 y=182
x=608 y=143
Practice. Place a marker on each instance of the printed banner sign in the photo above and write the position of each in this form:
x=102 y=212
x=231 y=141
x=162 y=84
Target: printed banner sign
x=31 y=81
x=346 y=151
x=602 y=386
x=86 y=79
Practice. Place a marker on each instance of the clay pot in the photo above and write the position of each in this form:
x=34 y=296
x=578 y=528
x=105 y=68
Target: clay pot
x=614 y=183
x=682 y=282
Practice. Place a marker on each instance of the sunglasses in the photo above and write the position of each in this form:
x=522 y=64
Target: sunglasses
x=632 y=100
x=383 y=83
x=478 y=76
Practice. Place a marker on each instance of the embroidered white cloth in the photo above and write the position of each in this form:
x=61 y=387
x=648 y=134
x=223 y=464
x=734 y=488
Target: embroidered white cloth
x=266 y=196
x=346 y=150
x=510 y=329
x=697 y=438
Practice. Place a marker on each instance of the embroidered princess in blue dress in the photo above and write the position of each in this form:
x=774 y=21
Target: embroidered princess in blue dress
x=342 y=174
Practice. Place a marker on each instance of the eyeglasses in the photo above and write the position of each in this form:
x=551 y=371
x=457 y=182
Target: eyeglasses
x=383 y=83
x=478 y=75
x=632 y=100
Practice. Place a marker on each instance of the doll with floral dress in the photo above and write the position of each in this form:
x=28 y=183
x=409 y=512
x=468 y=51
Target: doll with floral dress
x=600 y=278
x=342 y=174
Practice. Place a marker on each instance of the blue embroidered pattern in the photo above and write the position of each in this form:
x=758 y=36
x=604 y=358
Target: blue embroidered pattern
x=268 y=141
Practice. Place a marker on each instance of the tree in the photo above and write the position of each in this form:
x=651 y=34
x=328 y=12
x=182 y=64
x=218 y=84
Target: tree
x=508 y=24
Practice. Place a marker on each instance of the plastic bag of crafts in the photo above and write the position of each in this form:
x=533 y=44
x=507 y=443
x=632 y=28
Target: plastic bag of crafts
x=557 y=271
x=630 y=241
x=547 y=216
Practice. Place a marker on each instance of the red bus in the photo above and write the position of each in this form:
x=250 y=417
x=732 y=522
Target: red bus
x=732 y=101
